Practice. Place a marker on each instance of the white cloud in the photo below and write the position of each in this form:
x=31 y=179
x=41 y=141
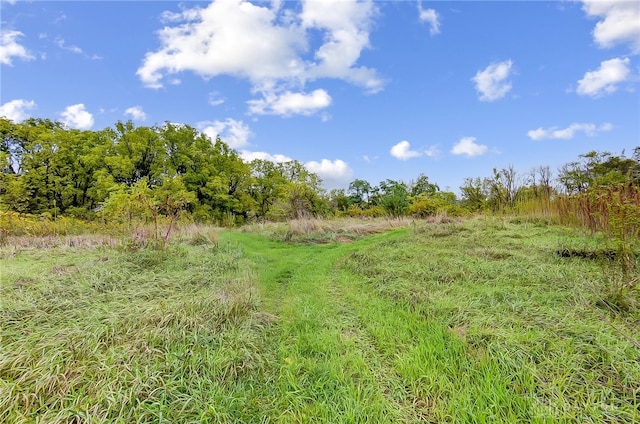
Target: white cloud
x=538 y=134
x=248 y=156
x=288 y=103
x=403 y=151
x=605 y=79
x=468 y=146
x=16 y=110
x=431 y=17
x=619 y=24
x=75 y=116
x=569 y=132
x=334 y=174
x=73 y=49
x=60 y=18
x=432 y=152
x=136 y=112
x=267 y=45
x=215 y=99
x=60 y=42
x=9 y=48
x=226 y=37
x=346 y=26
x=492 y=83
x=235 y=133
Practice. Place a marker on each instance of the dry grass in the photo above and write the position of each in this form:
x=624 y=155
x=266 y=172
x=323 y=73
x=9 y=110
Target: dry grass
x=85 y=241
x=313 y=230
x=197 y=234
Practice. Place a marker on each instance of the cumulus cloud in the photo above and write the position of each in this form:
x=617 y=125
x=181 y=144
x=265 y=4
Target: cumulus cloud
x=468 y=146
x=403 y=151
x=346 y=27
x=334 y=173
x=288 y=103
x=226 y=37
x=235 y=133
x=569 y=132
x=493 y=82
x=267 y=45
x=16 y=110
x=619 y=22
x=9 y=47
x=431 y=17
x=605 y=79
x=136 y=113
x=249 y=156
x=76 y=116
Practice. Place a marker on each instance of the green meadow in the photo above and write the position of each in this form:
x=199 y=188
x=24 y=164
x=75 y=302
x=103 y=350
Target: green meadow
x=478 y=320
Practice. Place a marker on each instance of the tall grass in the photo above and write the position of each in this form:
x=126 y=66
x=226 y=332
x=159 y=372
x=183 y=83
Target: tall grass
x=315 y=230
x=610 y=214
x=16 y=224
x=614 y=210
x=126 y=336
x=436 y=321
x=514 y=332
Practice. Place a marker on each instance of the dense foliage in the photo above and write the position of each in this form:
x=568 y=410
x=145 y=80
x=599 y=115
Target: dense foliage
x=126 y=171
x=171 y=170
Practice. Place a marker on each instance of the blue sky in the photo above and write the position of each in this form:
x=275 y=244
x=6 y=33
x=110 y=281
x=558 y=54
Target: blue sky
x=368 y=89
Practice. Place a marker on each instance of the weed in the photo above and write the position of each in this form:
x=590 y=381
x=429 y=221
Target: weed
x=479 y=320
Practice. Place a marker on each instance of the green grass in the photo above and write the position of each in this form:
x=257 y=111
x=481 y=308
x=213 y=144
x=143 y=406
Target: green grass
x=474 y=321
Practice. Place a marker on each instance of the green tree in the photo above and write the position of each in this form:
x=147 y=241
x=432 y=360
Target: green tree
x=599 y=169
x=474 y=194
x=422 y=185
x=302 y=193
x=338 y=200
x=268 y=184
x=359 y=191
x=169 y=199
x=134 y=153
x=394 y=197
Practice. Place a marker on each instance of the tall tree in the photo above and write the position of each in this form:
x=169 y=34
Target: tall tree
x=394 y=197
x=267 y=186
x=422 y=185
x=359 y=191
x=474 y=194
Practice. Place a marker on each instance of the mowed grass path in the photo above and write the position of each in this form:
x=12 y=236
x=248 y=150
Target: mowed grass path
x=475 y=322
x=329 y=368
x=478 y=321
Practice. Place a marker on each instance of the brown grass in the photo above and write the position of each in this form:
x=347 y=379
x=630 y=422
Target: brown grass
x=85 y=241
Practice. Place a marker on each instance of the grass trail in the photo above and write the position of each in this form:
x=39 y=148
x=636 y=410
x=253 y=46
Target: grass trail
x=464 y=322
x=446 y=324
x=347 y=354
x=329 y=369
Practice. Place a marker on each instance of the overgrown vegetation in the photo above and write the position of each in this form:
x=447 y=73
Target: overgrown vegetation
x=474 y=320
x=174 y=171
x=518 y=302
x=124 y=335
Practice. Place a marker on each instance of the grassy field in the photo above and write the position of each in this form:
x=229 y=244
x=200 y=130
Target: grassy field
x=483 y=320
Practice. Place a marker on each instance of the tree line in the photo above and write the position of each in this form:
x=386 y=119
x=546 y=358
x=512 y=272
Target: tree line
x=172 y=170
